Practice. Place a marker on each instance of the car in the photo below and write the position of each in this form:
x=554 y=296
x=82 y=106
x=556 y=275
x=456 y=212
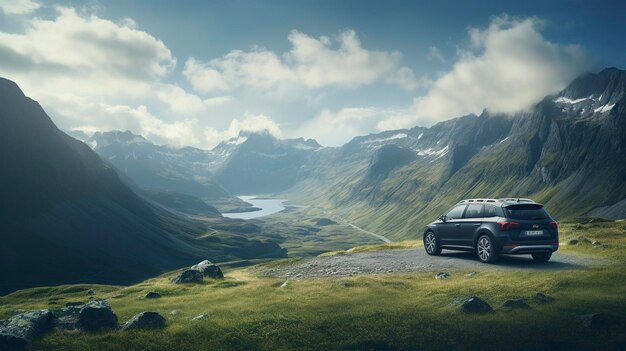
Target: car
x=491 y=227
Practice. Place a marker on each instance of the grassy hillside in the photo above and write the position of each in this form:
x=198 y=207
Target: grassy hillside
x=383 y=312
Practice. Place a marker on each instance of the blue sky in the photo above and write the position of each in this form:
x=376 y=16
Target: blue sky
x=199 y=72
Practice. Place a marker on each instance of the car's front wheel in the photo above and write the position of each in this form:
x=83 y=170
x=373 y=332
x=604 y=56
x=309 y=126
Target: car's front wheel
x=431 y=244
x=542 y=256
x=485 y=250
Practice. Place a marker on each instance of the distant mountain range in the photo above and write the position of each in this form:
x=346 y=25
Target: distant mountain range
x=566 y=151
x=67 y=217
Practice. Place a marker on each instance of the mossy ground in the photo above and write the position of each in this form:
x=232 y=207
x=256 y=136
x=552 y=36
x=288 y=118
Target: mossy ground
x=377 y=312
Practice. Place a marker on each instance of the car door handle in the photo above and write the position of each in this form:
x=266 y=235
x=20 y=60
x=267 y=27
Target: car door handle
x=476 y=224
x=457 y=225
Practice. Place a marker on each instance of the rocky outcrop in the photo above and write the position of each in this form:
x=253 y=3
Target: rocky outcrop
x=153 y=295
x=91 y=316
x=17 y=331
x=188 y=276
x=208 y=269
x=475 y=305
x=145 y=320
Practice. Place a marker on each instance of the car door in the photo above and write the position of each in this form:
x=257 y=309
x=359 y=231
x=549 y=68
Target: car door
x=448 y=229
x=472 y=219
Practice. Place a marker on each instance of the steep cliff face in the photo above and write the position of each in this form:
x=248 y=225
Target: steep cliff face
x=65 y=214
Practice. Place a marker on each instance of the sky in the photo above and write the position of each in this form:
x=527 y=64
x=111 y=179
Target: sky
x=195 y=73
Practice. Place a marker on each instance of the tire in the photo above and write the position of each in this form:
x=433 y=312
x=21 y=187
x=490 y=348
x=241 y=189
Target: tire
x=485 y=250
x=431 y=244
x=542 y=256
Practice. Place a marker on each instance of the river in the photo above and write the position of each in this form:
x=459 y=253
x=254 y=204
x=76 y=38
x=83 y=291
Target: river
x=267 y=206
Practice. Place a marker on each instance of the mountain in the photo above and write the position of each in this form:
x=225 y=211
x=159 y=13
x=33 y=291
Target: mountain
x=66 y=217
x=567 y=151
x=257 y=163
x=185 y=171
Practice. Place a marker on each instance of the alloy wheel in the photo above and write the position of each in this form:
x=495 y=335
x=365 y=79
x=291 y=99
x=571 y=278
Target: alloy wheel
x=484 y=248
x=430 y=243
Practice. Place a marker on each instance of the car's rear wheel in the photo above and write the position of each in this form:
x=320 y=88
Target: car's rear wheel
x=542 y=256
x=431 y=244
x=485 y=250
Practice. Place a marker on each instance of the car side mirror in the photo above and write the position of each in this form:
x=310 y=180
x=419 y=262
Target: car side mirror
x=442 y=218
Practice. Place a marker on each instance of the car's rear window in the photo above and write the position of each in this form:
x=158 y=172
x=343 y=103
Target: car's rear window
x=527 y=212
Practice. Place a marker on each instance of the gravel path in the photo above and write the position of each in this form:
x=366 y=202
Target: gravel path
x=416 y=260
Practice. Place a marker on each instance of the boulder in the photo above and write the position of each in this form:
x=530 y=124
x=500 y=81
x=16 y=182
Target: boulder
x=442 y=275
x=513 y=304
x=145 y=320
x=542 y=298
x=96 y=315
x=324 y=222
x=93 y=315
x=74 y=303
x=91 y=292
x=153 y=295
x=188 y=276
x=595 y=320
x=475 y=305
x=18 y=331
x=572 y=242
x=208 y=269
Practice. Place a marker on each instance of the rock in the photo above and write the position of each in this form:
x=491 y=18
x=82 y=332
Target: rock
x=572 y=242
x=74 y=303
x=596 y=244
x=471 y=274
x=153 y=295
x=96 y=315
x=18 y=331
x=145 y=320
x=345 y=283
x=595 y=320
x=442 y=275
x=93 y=315
x=174 y=312
x=91 y=292
x=475 y=305
x=542 y=298
x=284 y=284
x=513 y=304
x=188 y=276
x=324 y=222
x=200 y=317
x=208 y=269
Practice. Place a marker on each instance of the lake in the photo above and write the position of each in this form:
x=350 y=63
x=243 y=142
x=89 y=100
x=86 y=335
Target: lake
x=267 y=206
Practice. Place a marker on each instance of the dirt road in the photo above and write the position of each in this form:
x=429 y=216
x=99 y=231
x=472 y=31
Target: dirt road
x=416 y=260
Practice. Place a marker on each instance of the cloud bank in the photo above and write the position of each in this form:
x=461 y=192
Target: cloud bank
x=311 y=63
x=507 y=67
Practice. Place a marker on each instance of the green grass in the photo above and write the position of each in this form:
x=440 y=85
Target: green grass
x=377 y=312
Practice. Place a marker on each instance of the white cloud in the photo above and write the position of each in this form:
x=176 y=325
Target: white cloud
x=250 y=123
x=508 y=68
x=311 y=62
x=18 y=7
x=93 y=73
x=434 y=54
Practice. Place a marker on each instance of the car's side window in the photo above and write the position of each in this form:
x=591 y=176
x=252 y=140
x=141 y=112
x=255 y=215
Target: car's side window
x=455 y=213
x=474 y=211
x=491 y=211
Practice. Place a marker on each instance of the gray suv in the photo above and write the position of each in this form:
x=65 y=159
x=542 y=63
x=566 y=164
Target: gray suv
x=491 y=227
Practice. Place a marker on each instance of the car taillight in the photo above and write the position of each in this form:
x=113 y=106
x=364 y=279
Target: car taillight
x=506 y=226
x=553 y=225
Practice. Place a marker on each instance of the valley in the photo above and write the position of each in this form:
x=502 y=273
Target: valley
x=333 y=229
